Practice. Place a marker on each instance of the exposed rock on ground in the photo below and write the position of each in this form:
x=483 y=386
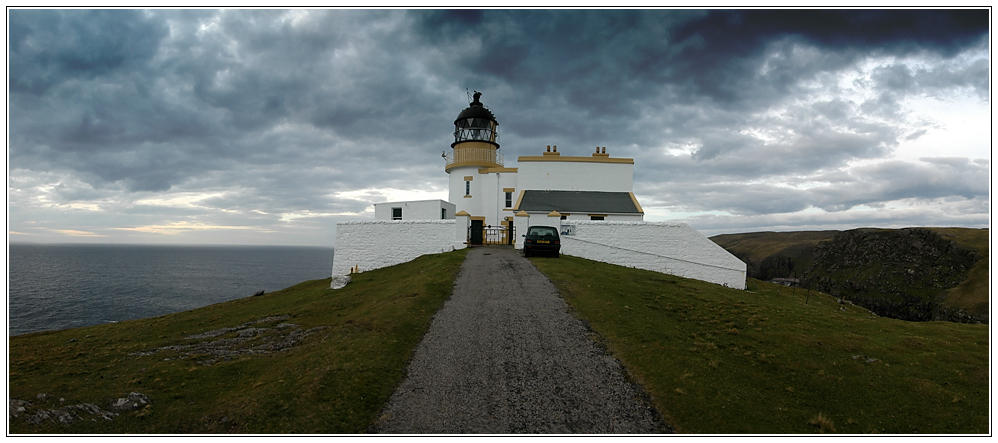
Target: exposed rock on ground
x=247 y=338
x=69 y=414
x=134 y=401
x=339 y=282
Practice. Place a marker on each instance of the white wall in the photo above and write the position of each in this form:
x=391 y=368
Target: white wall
x=471 y=205
x=584 y=216
x=670 y=248
x=414 y=210
x=487 y=197
x=575 y=176
x=377 y=244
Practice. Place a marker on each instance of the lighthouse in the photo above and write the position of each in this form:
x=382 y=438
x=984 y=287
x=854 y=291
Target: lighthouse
x=589 y=198
x=479 y=183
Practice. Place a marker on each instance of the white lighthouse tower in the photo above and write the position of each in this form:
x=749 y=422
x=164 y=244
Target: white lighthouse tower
x=475 y=167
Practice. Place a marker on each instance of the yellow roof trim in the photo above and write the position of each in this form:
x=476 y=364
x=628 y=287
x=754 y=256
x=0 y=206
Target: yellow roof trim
x=463 y=213
x=472 y=163
x=636 y=204
x=518 y=200
x=540 y=158
x=554 y=214
x=491 y=170
x=522 y=214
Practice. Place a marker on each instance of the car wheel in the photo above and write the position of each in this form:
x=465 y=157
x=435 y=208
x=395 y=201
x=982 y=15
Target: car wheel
x=526 y=253
x=557 y=254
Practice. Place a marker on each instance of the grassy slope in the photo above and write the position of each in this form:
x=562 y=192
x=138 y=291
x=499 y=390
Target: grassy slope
x=715 y=360
x=756 y=246
x=335 y=381
x=971 y=295
x=718 y=360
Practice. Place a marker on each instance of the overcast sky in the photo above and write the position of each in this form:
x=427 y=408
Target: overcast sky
x=268 y=127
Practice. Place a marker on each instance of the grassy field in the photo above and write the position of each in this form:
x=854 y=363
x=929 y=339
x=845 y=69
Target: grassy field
x=312 y=360
x=219 y=369
x=774 y=360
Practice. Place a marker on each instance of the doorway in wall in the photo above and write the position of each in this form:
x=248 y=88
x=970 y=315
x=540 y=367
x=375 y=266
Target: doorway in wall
x=477 y=232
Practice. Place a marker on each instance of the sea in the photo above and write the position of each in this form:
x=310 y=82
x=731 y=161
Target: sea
x=53 y=287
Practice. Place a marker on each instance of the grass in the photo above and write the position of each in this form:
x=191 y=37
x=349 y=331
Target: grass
x=714 y=360
x=756 y=246
x=352 y=350
x=763 y=252
x=972 y=295
x=718 y=360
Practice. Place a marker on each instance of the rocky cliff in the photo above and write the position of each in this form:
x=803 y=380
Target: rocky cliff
x=908 y=274
x=902 y=273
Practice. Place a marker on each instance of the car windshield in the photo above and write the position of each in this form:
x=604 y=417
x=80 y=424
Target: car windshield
x=541 y=231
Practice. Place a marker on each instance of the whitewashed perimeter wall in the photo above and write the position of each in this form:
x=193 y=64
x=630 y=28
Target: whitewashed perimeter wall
x=670 y=248
x=377 y=244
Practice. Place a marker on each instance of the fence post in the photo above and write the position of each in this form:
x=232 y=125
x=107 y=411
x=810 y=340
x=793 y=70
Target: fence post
x=521 y=220
x=462 y=222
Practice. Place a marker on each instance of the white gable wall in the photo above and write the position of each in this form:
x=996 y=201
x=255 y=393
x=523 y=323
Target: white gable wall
x=415 y=210
x=575 y=175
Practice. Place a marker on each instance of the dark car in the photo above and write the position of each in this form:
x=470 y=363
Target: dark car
x=541 y=240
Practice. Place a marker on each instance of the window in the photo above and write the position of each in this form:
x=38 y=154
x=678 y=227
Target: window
x=597 y=217
x=396 y=213
x=443 y=213
x=509 y=199
x=467 y=187
x=542 y=231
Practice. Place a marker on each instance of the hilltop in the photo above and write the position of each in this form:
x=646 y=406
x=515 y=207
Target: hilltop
x=912 y=274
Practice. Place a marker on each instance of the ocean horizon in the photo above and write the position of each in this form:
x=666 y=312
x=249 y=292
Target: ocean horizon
x=60 y=286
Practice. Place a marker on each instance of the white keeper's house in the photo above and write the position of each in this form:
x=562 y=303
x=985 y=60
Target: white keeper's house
x=589 y=198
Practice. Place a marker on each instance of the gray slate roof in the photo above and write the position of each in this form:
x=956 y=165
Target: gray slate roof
x=571 y=202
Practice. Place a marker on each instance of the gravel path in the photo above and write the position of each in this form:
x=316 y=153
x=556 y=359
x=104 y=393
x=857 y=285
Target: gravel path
x=504 y=356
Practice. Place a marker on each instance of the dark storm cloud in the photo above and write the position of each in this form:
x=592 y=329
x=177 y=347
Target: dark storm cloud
x=590 y=73
x=726 y=40
x=51 y=47
x=151 y=112
x=283 y=112
x=901 y=79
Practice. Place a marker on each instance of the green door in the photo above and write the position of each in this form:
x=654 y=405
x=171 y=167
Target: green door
x=477 y=231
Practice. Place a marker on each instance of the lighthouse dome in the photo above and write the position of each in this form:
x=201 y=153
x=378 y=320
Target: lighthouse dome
x=476 y=123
